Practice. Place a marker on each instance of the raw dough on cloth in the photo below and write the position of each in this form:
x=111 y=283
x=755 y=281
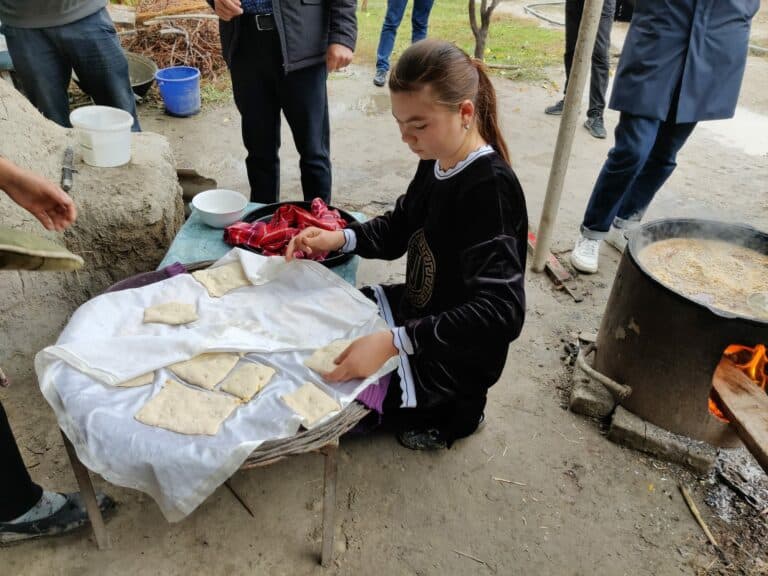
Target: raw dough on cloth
x=181 y=409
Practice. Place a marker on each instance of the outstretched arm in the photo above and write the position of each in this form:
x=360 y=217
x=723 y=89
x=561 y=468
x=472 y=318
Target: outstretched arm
x=40 y=197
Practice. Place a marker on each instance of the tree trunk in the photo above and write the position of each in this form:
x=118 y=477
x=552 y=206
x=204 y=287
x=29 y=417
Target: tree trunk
x=481 y=32
x=480 y=44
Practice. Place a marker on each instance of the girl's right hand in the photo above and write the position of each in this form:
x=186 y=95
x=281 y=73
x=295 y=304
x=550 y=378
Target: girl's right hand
x=314 y=239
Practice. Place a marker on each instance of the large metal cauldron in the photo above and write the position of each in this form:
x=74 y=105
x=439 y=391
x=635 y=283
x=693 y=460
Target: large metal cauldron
x=665 y=345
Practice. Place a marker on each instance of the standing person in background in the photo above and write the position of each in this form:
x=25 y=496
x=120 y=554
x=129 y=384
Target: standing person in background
x=395 y=11
x=683 y=62
x=600 y=63
x=50 y=38
x=279 y=53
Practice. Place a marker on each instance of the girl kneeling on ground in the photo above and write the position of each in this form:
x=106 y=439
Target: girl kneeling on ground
x=463 y=224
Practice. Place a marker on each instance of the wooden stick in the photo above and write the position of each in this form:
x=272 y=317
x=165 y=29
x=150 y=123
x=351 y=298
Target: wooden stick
x=505 y=481
x=158 y=19
x=745 y=404
x=695 y=511
x=330 y=452
x=502 y=66
x=88 y=494
x=239 y=499
x=475 y=558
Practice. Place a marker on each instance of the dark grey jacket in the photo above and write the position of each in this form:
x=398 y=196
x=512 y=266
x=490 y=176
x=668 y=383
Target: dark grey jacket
x=305 y=27
x=696 y=46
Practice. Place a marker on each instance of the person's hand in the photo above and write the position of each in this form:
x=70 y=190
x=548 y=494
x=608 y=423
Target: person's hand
x=313 y=239
x=337 y=57
x=40 y=197
x=363 y=357
x=227 y=9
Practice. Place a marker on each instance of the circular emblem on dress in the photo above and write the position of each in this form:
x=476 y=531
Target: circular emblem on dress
x=420 y=270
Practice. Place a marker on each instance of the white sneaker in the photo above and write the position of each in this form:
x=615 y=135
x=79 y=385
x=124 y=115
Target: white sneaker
x=617 y=237
x=585 y=254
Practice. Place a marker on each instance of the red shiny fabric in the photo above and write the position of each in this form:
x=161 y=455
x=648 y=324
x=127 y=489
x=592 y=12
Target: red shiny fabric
x=271 y=238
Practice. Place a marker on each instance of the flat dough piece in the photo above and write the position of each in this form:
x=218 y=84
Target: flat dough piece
x=218 y=281
x=187 y=411
x=142 y=380
x=171 y=313
x=247 y=380
x=206 y=370
x=311 y=403
x=322 y=359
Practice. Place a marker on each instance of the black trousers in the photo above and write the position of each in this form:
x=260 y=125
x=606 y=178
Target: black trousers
x=455 y=419
x=598 y=83
x=262 y=90
x=17 y=491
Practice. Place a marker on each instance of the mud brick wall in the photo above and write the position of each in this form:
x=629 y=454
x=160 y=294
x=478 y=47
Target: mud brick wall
x=127 y=218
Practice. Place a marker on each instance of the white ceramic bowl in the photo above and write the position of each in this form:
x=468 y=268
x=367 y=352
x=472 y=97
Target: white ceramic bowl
x=219 y=208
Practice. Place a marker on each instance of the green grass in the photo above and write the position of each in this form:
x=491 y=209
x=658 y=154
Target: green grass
x=217 y=91
x=511 y=41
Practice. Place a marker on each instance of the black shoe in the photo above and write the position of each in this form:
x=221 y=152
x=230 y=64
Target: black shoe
x=67 y=518
x=422 y=439
x=596 y=127
x=380 y=78
x=555 y=109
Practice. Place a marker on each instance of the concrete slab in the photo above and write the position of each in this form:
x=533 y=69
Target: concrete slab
x=634 y=432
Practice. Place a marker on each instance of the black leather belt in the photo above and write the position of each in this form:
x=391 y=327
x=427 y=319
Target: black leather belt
x=264 y=21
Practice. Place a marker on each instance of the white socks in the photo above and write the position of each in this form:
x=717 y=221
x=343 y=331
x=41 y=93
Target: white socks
x=49 y=504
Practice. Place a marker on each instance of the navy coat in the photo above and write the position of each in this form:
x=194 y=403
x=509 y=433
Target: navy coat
x=697 y=46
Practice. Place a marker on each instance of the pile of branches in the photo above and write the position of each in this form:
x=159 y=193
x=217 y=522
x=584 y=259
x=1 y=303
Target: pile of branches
x=184 y=40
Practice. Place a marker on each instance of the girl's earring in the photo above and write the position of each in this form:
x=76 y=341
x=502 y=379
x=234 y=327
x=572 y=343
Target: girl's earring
x=466 y=126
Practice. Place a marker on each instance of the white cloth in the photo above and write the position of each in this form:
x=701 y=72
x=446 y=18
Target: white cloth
x=292 y=309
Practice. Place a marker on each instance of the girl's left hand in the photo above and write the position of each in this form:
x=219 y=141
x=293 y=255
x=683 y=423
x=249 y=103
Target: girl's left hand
x=363 y=357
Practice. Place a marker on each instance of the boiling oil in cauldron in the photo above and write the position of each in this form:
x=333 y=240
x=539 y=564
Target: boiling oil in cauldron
x=716 y=273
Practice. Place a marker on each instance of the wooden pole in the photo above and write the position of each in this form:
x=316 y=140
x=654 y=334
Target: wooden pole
x=590 y=19
x=329 y=501
x=88 y=494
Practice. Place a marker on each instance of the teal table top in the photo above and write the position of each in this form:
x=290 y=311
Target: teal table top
x=197 y=241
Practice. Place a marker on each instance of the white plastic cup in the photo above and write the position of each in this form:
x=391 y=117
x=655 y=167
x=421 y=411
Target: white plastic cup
x=104 y=134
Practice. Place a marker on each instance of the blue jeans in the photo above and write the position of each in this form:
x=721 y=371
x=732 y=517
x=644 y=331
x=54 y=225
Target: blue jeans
x=395 y=11
x=642 y=159
x=45 y=57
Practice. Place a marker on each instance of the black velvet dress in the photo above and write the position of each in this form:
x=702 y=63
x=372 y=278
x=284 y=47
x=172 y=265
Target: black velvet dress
x=463 y=301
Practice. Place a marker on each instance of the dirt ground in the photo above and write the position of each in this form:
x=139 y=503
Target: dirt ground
x=580 y=505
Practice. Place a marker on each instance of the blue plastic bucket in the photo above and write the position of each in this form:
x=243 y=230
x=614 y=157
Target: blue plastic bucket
x=180 y=89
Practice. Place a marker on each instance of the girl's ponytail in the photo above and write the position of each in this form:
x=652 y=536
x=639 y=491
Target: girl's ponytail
x=486 y=113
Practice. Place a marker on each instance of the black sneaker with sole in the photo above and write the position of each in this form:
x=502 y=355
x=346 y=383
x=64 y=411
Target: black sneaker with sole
x=555 y=109
x=67 y=518
x=596 y=127
x=380 y=78
x=422 y=439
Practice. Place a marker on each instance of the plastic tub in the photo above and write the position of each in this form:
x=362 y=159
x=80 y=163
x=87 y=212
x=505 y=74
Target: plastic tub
x=180 y=89
x=219 y=208
x=104 y=134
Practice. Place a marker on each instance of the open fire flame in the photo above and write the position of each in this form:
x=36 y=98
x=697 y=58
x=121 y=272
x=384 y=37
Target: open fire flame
x=753 y=362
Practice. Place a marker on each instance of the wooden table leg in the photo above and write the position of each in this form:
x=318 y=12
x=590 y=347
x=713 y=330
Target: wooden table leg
x=329 y=501
x=88 y=495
